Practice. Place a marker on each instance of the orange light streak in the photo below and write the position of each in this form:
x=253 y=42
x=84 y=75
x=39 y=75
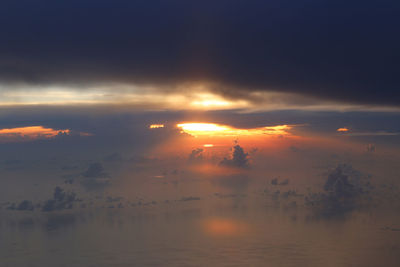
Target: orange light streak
x=344 y=129
x=156 y=126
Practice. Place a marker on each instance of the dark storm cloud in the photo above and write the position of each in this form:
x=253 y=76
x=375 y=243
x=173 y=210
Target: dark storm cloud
x=340 y=50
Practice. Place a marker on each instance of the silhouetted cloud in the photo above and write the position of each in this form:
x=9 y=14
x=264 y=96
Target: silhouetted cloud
x=196 y=155
x=25 y=205
x=275 y=181
x=94 y=178
x=94 y=170
x=61 y=200
x=239 y=158
x=189 y=198
x=92 y=184
x=284 y=182
x=344 y=189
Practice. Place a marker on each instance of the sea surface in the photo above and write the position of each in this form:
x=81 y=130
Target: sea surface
x=190 y=234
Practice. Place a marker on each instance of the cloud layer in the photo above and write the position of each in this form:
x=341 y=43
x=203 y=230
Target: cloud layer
x=340 y=50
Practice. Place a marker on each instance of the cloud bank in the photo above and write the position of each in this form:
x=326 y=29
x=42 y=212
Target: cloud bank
x=340 y=51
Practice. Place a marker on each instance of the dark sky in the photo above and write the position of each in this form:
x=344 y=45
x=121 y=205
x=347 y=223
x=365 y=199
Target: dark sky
x=337 y=50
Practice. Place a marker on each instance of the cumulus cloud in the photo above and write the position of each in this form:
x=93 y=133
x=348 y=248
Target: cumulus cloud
x=61 y=200
x=239 y=158
x=344 y=191
x=25 y=205
x=275 y=181
x=284 y=182
x=93 y=184
x=196 y=155
x=94 y=170
x=95 y=178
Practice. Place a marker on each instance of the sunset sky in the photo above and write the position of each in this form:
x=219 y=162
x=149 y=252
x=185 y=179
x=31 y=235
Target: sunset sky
x=205 y=122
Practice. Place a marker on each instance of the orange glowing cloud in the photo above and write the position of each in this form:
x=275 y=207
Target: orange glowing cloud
x=213 y=129
x=156 y=126
x=29 y=133
x=344 y=129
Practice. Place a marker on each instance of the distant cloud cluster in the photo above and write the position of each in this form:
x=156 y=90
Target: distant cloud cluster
x=345 y=190
x=94 y=170
x=61 y=200
x=23 y=205
x=275 y=181
x=95 y=177
x=189 y=199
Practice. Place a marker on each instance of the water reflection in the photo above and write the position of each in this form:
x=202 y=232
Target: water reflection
x=186 y=236
x=225 y=220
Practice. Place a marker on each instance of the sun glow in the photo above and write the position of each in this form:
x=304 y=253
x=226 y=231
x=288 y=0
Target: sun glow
x=208 y=145
x=211 y=103
x=213 y=129
x=204 y=100
x=202 y=127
